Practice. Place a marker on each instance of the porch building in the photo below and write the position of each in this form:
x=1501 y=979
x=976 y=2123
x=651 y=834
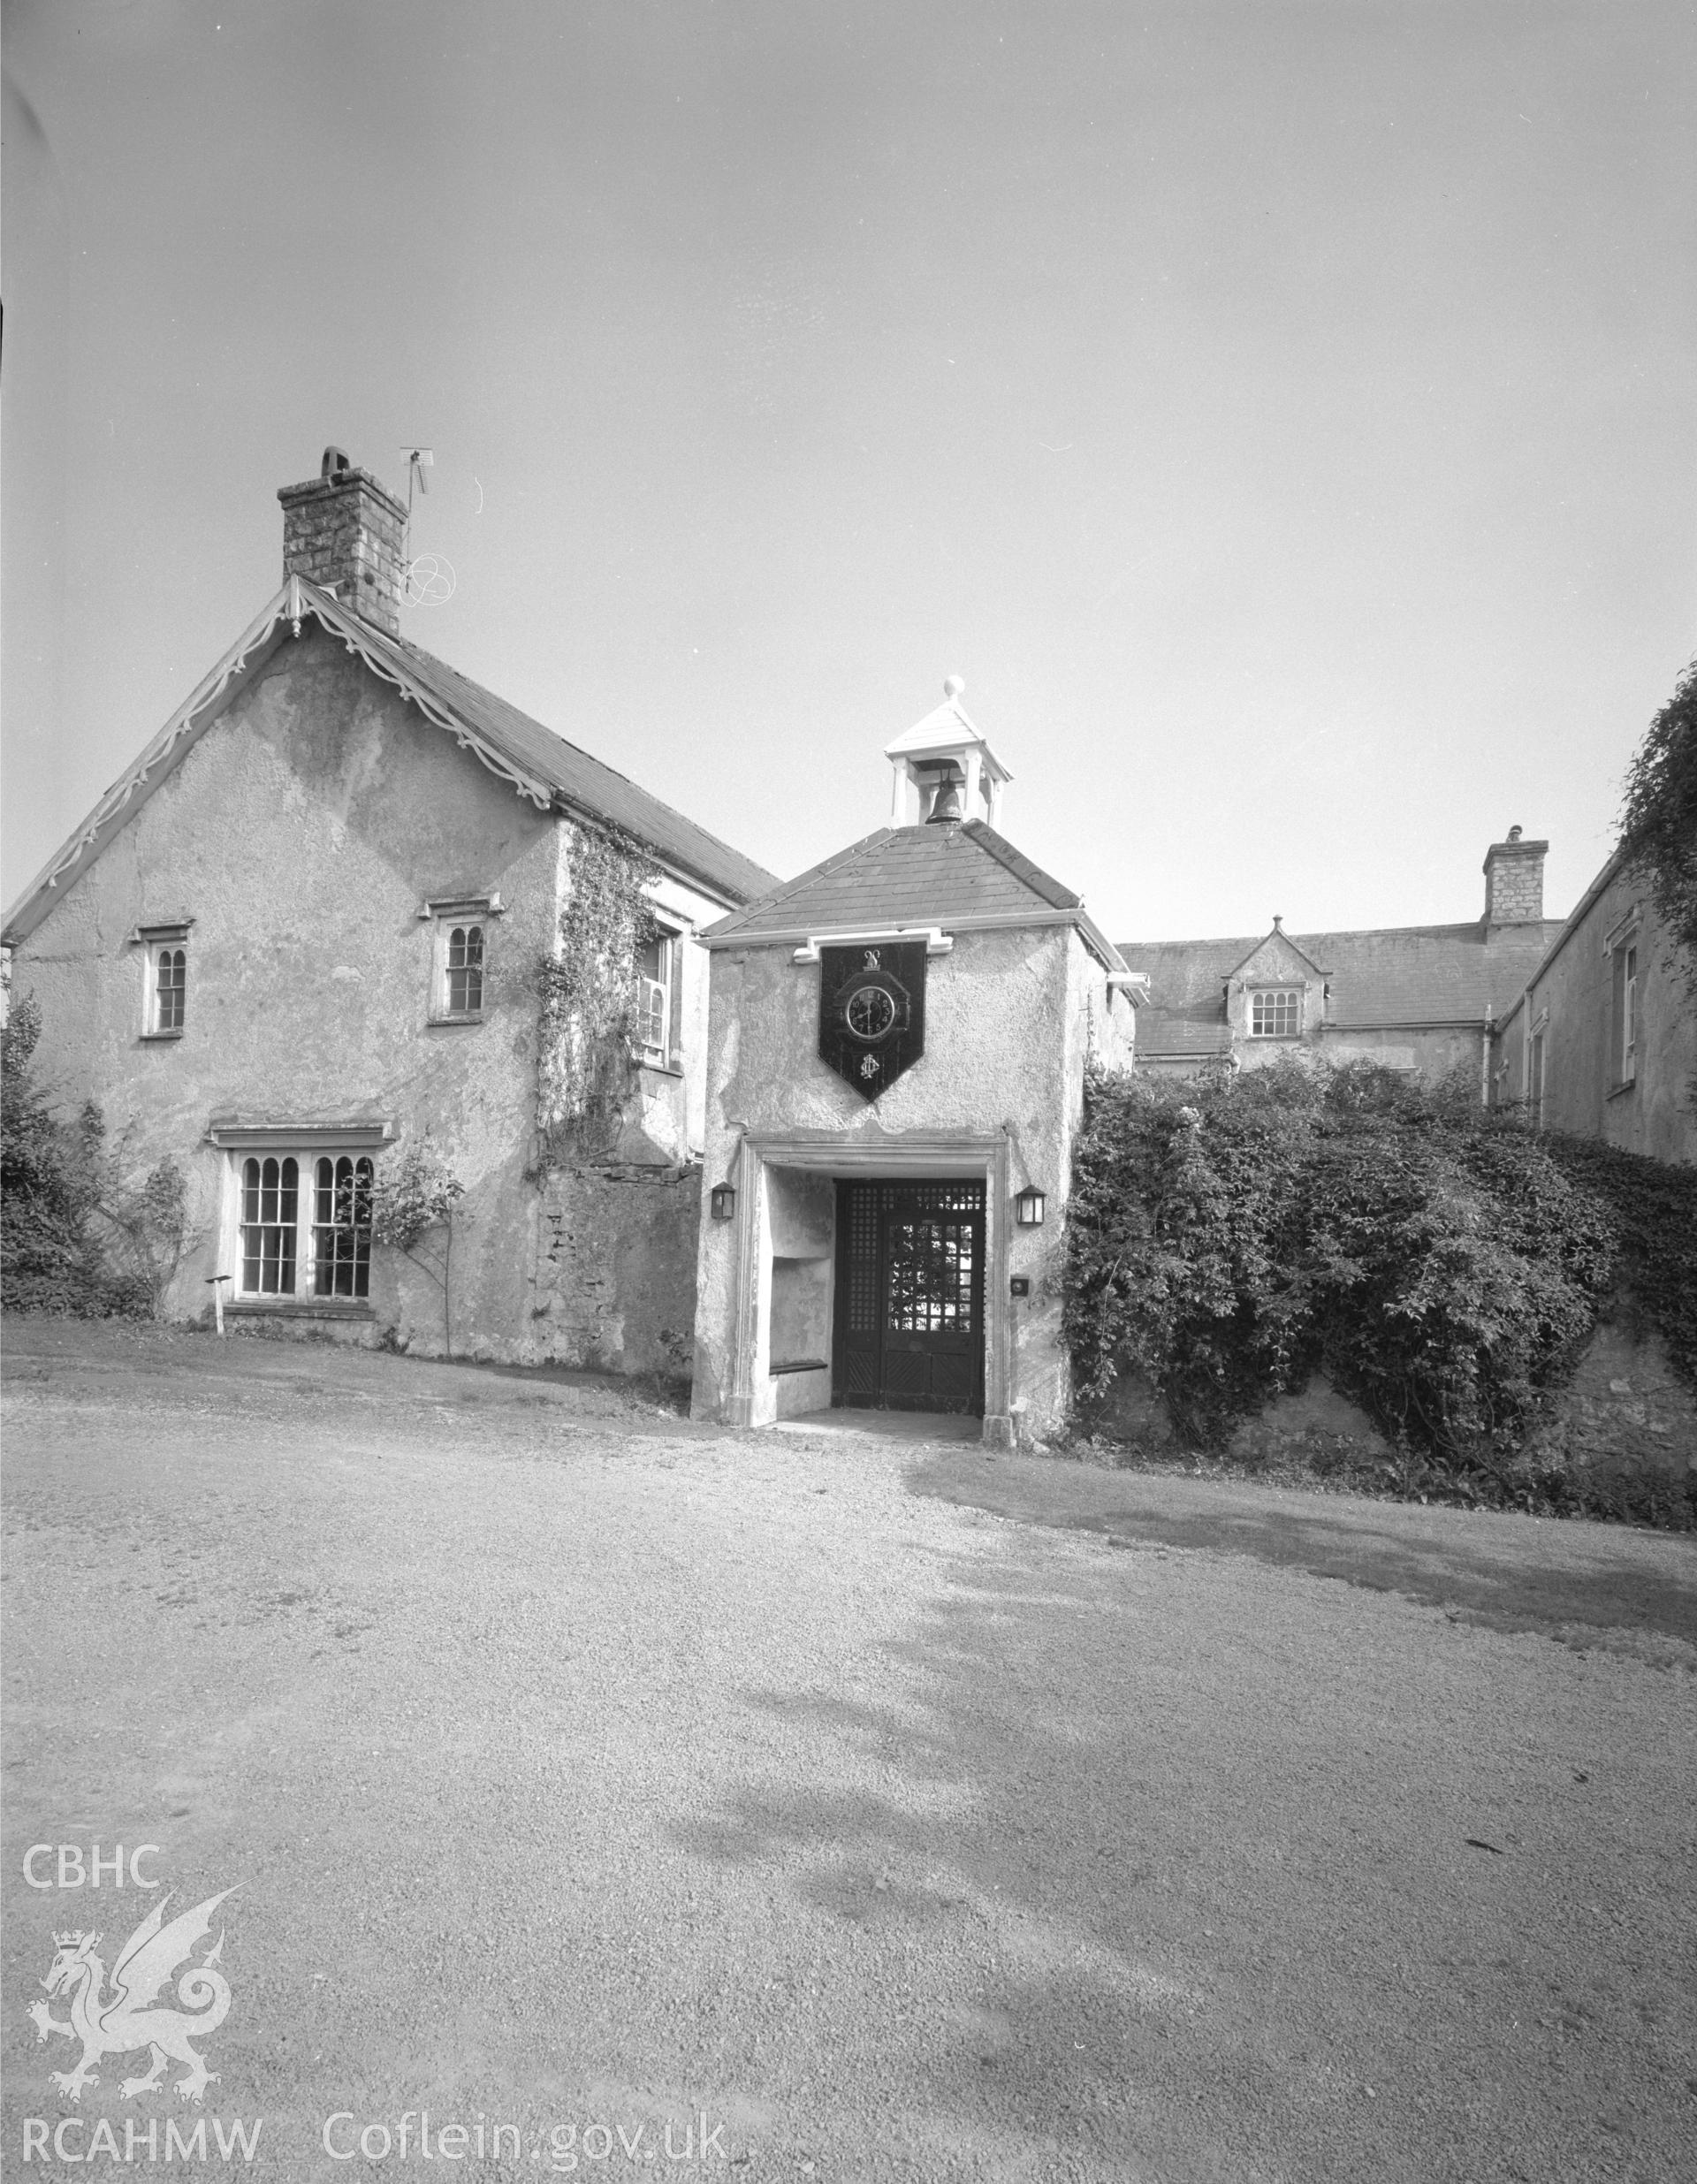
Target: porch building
x=896 y=1050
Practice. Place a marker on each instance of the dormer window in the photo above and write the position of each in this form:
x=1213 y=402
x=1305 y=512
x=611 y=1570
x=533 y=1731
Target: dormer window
x=1275 y=1012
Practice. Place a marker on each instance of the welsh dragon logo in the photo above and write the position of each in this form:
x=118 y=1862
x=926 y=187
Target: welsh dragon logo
x=121 y=2020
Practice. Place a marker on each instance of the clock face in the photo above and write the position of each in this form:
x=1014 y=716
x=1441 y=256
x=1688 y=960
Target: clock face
x=872 y=1011
x=869 y=1013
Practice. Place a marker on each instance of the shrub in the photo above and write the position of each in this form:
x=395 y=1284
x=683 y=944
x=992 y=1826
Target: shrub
x=48 y=1186
x=1444 y=1264
x=74 y=1236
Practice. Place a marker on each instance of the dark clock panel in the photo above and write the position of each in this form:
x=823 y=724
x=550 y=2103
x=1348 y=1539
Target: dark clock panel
x=872 y=1011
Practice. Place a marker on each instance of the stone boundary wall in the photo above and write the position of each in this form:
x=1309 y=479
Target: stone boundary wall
x=1625 y=1410
x=1624 y=1418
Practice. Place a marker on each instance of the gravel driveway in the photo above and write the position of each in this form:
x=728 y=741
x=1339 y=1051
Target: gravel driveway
x=892 y=1812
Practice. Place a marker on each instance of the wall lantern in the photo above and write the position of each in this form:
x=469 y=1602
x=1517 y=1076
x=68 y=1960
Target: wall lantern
x=1028 y=1208
x=722 y=1200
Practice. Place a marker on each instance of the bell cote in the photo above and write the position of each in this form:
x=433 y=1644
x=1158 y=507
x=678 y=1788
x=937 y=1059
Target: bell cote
x=944 y=771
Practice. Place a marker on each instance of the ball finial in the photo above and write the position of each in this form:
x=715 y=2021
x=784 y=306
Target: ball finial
x=953 y=685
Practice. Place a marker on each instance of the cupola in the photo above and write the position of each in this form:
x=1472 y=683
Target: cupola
x=943 y=768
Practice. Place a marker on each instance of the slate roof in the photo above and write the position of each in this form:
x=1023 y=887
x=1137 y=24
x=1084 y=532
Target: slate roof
x=1409 y=977
x=583 y=782
x=914 y=876
x=538 y=764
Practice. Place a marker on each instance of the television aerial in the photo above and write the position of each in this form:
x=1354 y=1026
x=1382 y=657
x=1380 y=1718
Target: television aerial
x=429 y=577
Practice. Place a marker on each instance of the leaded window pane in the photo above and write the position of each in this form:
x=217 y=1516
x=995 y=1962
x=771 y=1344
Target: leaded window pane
x=464 y=967
x=171 y=984
x=341 y=1231
x=271 y=1212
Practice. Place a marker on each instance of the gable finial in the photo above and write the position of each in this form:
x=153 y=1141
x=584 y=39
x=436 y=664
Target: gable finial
x=953 y=685
x=1278 y=922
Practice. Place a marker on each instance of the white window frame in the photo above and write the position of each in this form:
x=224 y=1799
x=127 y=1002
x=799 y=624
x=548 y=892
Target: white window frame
x=1625 y=1006
x=162 y=946
x=657 y=1000
x=298 y=1240
x=1537 y=1068
x=1293 y=994
x=462 y=914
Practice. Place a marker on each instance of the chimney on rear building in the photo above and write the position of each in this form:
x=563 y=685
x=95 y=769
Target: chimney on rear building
x=343 y=531
x=1514 y=881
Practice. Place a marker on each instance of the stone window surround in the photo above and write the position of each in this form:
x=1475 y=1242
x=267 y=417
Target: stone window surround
x=446 y=912
x=915 y=1154
x=306 y=1142
x=155 y=941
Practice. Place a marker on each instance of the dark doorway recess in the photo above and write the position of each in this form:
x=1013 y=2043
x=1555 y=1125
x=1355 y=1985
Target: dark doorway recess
x=910 y=1308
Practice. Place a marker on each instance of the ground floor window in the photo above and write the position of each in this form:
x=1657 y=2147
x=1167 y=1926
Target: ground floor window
x=305 y=1225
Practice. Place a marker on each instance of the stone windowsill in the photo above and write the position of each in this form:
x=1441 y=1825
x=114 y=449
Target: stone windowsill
x=299 y=1308
x=159 y=1038
x=658 y=1068
x=800 y=1365
x=446 y=1023
x=1619 y=1092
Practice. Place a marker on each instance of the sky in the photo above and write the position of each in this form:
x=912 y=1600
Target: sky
x=1282 y=414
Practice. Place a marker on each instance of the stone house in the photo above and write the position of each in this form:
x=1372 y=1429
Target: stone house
x=305 y=930
x=1416 y=997
x=897 y=1047
x=1602 y=1040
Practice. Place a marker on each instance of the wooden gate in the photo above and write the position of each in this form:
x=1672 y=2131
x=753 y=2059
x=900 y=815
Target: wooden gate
x=910 y=1304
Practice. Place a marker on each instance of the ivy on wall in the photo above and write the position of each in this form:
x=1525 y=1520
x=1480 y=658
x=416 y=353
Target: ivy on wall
x=1659 y=819
x=1444 y=1263
x=589 y=994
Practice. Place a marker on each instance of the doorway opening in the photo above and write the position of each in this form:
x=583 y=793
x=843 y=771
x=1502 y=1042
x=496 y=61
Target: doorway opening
x=909 y=1296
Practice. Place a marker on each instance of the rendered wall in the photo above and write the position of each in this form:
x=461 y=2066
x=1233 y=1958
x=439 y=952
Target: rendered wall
x=1573 y=998
x=302 y=834
x=1010 y=1017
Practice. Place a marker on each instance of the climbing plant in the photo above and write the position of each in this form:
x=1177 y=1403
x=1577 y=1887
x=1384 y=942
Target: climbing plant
x=1658 y=821
x=589 y=993
x=415 y=1195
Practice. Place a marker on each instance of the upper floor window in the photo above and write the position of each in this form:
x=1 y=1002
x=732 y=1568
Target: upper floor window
x=462 y=993
x=164 y=1007
x=459 y=957
x=1276 y=1013
x=659 y=969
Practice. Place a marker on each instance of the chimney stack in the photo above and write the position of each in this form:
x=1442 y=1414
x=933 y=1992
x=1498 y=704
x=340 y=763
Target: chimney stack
x=343 y=531
x=1514 y=881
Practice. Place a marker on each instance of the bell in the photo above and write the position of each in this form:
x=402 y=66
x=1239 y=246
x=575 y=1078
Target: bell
x=946 y=805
